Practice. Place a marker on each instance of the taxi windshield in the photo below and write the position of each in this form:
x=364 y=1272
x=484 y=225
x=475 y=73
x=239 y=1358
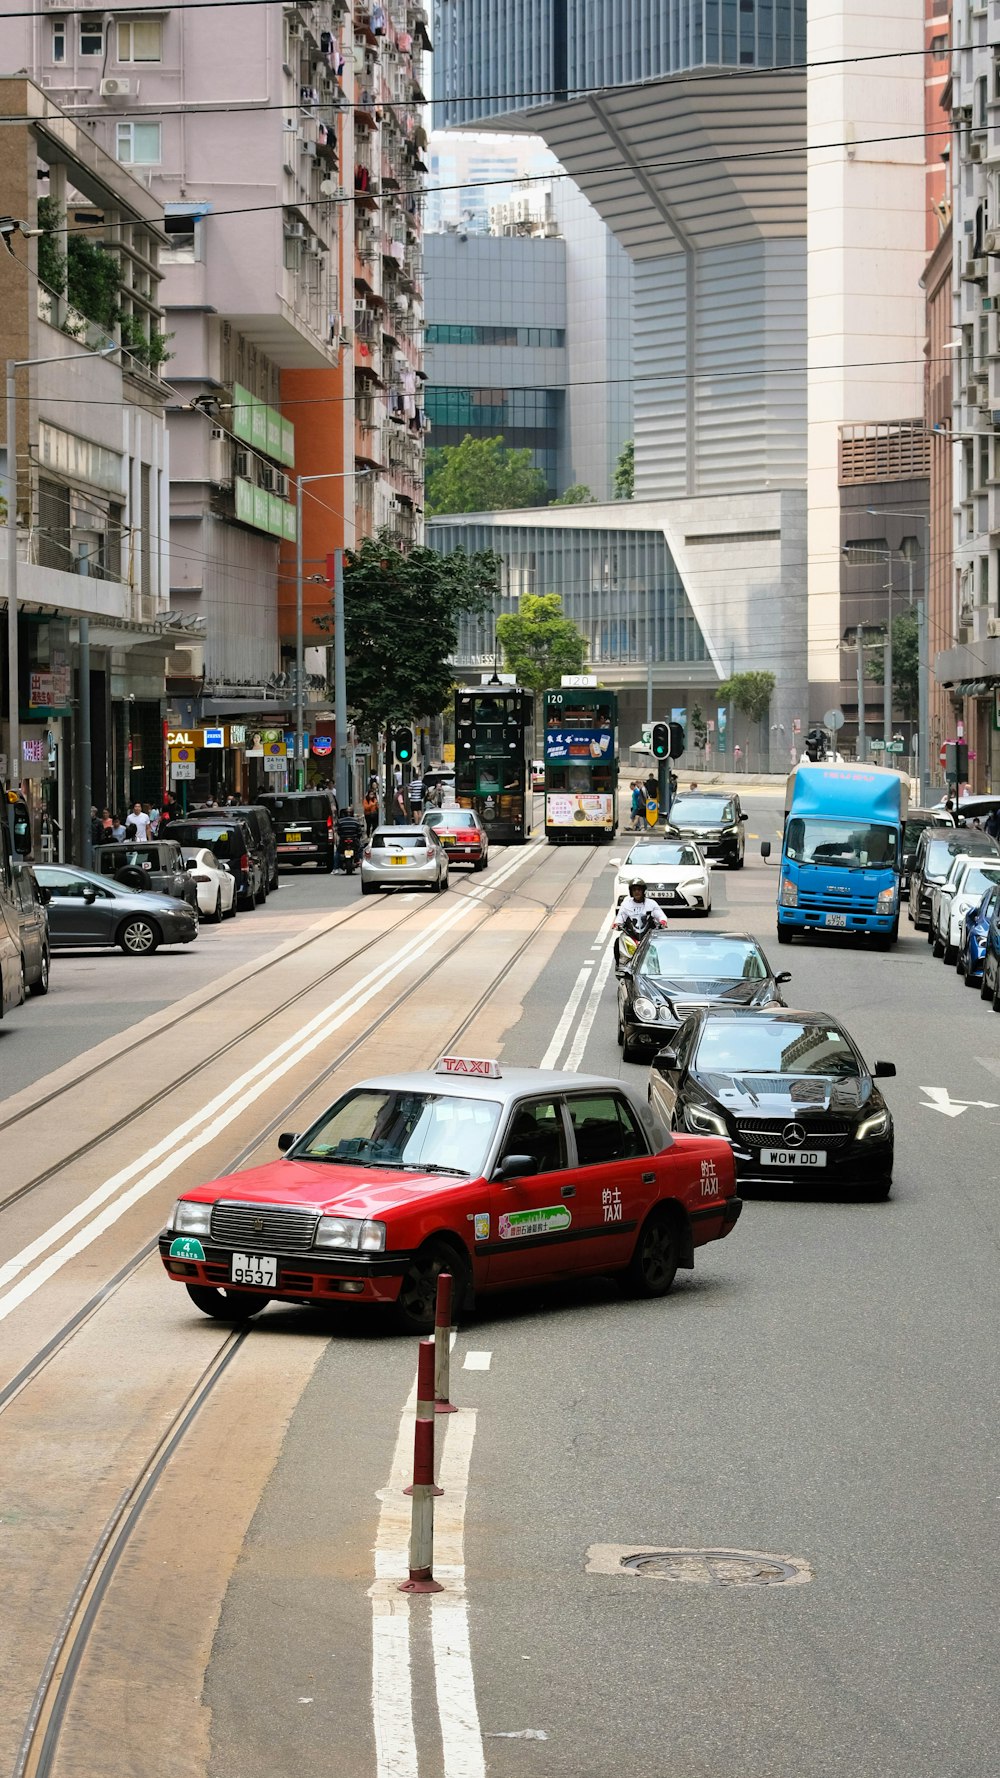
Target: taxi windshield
x=394 y=1127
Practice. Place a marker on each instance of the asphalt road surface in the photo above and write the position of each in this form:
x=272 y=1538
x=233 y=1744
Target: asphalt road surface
x=820 y=1390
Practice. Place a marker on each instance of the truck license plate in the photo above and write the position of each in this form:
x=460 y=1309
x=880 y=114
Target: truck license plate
x=254 y=1268
x=793 y=1157
x=835 y=920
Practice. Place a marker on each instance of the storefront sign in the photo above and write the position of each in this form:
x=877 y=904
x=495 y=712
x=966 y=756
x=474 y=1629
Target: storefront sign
x=564 y=809
x=581 y=743
x=322 y=746
x=213 y=737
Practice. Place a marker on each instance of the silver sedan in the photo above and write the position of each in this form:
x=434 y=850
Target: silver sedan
x=403 y=858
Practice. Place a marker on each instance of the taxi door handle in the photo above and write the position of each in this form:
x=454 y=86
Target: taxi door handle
x=568 y=1191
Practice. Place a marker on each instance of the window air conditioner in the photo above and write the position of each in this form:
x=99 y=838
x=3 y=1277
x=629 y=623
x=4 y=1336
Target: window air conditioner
x=991 y=241
x=993 y=627
x=266 y=477
x=295 y=231
x=117 y=88
x=977 y=151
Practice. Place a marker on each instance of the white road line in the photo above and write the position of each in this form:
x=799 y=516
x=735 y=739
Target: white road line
x=197 y=1131
x=589 y=1013
x=392 y=1690
x=561 y=1032
x=461 y=1735
x=477 y=1361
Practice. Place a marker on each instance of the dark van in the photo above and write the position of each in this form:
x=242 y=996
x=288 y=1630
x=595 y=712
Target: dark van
x=234 y=847
x=305 y=824
x=258 y=819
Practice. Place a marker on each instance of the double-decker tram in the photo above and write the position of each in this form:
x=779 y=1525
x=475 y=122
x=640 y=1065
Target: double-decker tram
x=580 y=751
x=494 y=742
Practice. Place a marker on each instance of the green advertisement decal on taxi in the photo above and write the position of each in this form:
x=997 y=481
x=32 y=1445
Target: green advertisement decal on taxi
x=548 y=1220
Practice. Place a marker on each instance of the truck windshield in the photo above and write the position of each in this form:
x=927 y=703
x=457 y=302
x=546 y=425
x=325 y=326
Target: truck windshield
x=850 y=845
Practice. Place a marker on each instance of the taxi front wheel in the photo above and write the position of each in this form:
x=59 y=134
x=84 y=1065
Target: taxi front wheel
x=653 y=1265
x=224 y=1305
x=417 y=1297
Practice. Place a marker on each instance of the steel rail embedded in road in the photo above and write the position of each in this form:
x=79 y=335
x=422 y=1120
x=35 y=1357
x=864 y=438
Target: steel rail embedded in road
x=55 y=1688
x=208 y=1061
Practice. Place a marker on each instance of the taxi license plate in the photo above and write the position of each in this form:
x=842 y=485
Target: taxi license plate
x=793 y=1157
x=254 y=1268
x=399 y=858
x=835 y=920
x=293 y=836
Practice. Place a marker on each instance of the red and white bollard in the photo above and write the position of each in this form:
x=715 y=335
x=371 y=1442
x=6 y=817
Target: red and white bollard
x=442 y=1347
x=423 y=1489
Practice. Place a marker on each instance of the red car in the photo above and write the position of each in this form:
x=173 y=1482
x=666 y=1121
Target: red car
x=501 y=1176
x=462 y=835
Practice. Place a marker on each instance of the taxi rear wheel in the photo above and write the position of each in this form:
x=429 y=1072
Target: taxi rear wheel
x=223 y=1305
x=417 y=1297
x=653 y=1265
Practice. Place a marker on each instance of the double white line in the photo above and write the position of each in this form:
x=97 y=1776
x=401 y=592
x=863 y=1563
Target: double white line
x=29 y=1269
x=602 y=955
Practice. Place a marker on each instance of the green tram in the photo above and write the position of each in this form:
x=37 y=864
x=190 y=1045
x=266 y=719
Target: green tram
x=494 y=743
x=580 y=754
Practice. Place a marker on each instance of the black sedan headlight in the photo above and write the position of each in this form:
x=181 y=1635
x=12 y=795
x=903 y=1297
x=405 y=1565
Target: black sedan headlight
x=701 y=1120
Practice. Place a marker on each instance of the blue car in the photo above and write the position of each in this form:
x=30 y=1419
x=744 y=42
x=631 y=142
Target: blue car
x=987 y=922
x=975 y=928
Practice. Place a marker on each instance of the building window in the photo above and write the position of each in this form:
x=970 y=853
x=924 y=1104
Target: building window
x=182 y=230
x=91 y=37
x=138 y=144
x=140 y=40
x=939 y=47
x=58 y=40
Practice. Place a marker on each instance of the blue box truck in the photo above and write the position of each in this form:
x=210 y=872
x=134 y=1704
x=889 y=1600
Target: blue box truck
x=841 y=852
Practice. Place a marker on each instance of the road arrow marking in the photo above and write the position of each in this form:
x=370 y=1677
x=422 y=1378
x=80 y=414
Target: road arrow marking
x=940 y=1100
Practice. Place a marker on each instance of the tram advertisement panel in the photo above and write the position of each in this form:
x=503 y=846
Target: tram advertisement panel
x=578 y=743
x=566 y=809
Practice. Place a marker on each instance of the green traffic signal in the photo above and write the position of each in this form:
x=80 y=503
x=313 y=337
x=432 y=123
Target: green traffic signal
x=403 y=743
x=661 y=740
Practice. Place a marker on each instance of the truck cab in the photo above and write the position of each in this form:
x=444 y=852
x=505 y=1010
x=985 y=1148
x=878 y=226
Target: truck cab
x=841 y=852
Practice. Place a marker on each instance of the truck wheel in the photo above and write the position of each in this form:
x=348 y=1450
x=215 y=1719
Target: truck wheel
x=784 y=935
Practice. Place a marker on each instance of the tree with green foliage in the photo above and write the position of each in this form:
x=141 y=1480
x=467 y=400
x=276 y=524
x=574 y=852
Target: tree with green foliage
x=578 y=494
x=751 y=694
x=540 y=644
x=624 y=481
x=699 y=728
x=481 y=475
x=401 y=616
x=905 y=665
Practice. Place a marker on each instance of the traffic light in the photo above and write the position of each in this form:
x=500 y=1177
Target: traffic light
x=403 y=743
x=676 y=739
x=661 y=740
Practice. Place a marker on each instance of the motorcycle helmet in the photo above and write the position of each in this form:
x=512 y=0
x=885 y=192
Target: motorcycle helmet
x=637 y=883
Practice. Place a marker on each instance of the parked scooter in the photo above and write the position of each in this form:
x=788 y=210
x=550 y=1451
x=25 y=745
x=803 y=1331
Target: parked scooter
x=348 y=857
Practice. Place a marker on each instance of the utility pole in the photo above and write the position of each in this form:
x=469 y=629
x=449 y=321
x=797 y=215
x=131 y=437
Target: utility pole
x=862 y=749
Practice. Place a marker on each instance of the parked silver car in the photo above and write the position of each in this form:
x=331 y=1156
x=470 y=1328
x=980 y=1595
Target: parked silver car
x=87 y=910
x=403 y=858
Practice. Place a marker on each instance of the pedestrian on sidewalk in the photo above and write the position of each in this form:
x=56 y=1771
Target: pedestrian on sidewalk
x=638 y=805
x=369 y=809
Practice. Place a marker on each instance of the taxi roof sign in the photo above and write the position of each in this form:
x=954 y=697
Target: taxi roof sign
x=468 y=1065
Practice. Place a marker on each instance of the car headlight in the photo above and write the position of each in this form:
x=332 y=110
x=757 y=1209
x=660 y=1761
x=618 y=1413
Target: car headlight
x=644 y=1009
x=190 y=1219
x=886 y=903
x=872 y=1126
x=704 y=1122
x=732 y=831
x=350 y=1232
x=789 y=897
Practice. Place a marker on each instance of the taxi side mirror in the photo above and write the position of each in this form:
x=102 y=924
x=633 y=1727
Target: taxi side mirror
x=286 y=1140
x=517 y=1166
x=765 y=848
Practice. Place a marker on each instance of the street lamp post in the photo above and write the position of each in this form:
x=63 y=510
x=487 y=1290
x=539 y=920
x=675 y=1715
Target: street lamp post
x=923 y=664
x=339 y=655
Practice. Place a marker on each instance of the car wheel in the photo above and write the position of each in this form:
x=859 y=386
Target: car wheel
x=653 y=1266
x=479 y=864
x=217 y=916
x=631 y=1052
x=42 y=984
x=937 y=947
x=738 y=862
x=879 y=1190
x=949 y=953
x=231 y=914
x=969 y=978
x=417 y=1297
x=368 y=889
x=224 y=1305
x=138 y=937
x=994 y=998
x=275 y=881
x=260 y=897
x=984 y=987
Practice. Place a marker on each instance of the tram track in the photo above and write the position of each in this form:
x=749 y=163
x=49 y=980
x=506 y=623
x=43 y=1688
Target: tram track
x=137 y=1110
x=53 y=1694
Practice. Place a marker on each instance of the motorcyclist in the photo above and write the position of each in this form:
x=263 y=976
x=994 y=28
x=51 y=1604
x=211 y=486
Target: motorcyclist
x=636 y=914
x=348 y=829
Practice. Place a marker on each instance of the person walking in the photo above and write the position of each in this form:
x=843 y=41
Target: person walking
x=401 y=814
x=137 y=825
x=369 y=809
x=638 y=806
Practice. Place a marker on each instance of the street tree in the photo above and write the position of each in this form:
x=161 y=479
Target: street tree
x=699 y=728
x=624 y=480
x=578 y=494
x=401 y=617
x=750 y=694
x=905 y=665
x=540 y=644
x=482 y=475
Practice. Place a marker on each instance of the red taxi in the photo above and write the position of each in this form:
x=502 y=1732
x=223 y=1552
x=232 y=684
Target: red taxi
x=462 y=835
x=502 y=1176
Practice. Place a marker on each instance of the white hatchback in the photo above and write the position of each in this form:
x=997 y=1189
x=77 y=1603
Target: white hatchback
x=675 y=874
x=216 y=888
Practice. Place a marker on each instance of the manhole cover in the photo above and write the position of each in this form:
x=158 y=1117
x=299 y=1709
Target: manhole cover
x=706 y=1568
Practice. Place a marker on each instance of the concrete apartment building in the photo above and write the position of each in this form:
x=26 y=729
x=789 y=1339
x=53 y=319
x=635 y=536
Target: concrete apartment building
x=776 y=296
x=279 y=143
x=79 y=271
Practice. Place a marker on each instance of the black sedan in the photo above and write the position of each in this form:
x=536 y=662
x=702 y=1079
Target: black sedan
x=86 y=910
x=790 y=1090
x=676 y=973
x=714 y=821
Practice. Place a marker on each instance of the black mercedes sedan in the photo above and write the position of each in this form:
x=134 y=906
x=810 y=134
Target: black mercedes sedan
x=790 y=1090
x=673 y=974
